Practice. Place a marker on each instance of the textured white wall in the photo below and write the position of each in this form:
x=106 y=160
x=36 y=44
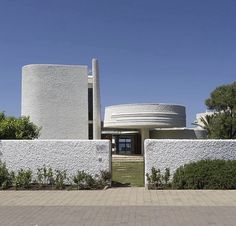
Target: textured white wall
x=72 y=155
x=56 y=98
x=174 y=153
x=185 y=133
x=144 y=116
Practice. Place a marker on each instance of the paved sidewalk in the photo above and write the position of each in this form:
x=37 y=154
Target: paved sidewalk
x=118 y=206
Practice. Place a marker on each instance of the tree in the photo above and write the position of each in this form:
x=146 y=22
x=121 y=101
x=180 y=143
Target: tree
x=17 y=128
x=222 y=124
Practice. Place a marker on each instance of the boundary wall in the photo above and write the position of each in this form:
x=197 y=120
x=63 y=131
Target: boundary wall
x=174 y=153
x=92 y=156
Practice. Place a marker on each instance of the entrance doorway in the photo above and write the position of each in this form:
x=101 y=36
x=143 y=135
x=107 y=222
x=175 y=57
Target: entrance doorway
x=124 y=143
x=127 y=144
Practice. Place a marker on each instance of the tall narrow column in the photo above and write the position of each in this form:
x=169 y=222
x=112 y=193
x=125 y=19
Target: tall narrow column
x=144 y=136
x=96 y=101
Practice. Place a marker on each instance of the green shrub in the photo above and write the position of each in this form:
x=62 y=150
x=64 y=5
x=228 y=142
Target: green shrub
x=5 y=177
x=60 y=179
x=105 y=178
x=206 y=174
x=22 y=179
x=17 y=128
x=84 y=180
x=156 y=180
x=45 y=177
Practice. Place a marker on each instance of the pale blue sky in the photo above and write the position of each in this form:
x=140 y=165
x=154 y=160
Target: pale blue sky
x=172 y=51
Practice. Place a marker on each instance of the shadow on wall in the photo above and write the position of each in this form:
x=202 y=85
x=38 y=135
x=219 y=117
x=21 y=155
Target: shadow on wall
x=178 y=134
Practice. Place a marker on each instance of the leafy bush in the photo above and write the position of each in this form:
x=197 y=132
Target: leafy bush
x=206 y=174
x=22 y=179
x=45 y=177
x=156 y=180
x=60 y=179
x=86 y=181
x=5 y=177
x=17 y=128
x=105 y=178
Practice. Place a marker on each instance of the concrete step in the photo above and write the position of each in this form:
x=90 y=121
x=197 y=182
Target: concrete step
x=127 y=158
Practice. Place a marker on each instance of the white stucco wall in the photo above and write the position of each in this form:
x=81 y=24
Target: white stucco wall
x=174 y=153
x=72 y=155
x=56 y=98
x=178 y=133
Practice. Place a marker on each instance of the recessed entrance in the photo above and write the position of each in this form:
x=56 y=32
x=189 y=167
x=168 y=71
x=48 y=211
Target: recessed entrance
x=125 y=145
x=129 y=144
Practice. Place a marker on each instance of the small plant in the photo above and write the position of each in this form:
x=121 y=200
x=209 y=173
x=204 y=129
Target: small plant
x=45 y=177
x=84 y=180
x=60 y=179
x=5 y=177
x=22 y=179
x=166 y=178
x=156 y=180
x=105 y=178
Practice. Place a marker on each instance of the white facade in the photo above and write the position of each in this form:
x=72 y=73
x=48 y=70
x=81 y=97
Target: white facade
x=65 y=101
x=142 y=117
x=145 y=116
x=56 y=99
x=150 y=121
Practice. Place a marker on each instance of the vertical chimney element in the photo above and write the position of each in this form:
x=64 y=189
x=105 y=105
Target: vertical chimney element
x=96 y=101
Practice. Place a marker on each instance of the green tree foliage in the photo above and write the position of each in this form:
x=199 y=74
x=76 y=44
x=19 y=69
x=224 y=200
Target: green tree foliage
x=17 y=128
x=222 y=124
x=5 y=179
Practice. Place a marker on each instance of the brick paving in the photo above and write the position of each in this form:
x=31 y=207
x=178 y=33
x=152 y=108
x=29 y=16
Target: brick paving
x=118 y=206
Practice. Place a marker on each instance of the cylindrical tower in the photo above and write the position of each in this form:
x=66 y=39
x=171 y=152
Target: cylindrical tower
x=56 y=98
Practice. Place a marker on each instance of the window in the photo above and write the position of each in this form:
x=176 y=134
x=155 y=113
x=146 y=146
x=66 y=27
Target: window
x=90 y=104
x=125 y=145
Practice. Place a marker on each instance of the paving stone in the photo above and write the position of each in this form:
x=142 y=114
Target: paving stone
x=118 y=206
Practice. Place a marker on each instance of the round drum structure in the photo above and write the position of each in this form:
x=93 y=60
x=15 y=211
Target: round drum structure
x=56 y=99
x=145 y=115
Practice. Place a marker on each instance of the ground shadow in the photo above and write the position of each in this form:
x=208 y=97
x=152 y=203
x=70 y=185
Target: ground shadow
x=119 y=184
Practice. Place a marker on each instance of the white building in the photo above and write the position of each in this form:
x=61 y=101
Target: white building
x=128 y=125
x=65 y=101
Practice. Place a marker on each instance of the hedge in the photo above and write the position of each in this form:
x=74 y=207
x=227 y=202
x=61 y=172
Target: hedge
x=206 y=174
